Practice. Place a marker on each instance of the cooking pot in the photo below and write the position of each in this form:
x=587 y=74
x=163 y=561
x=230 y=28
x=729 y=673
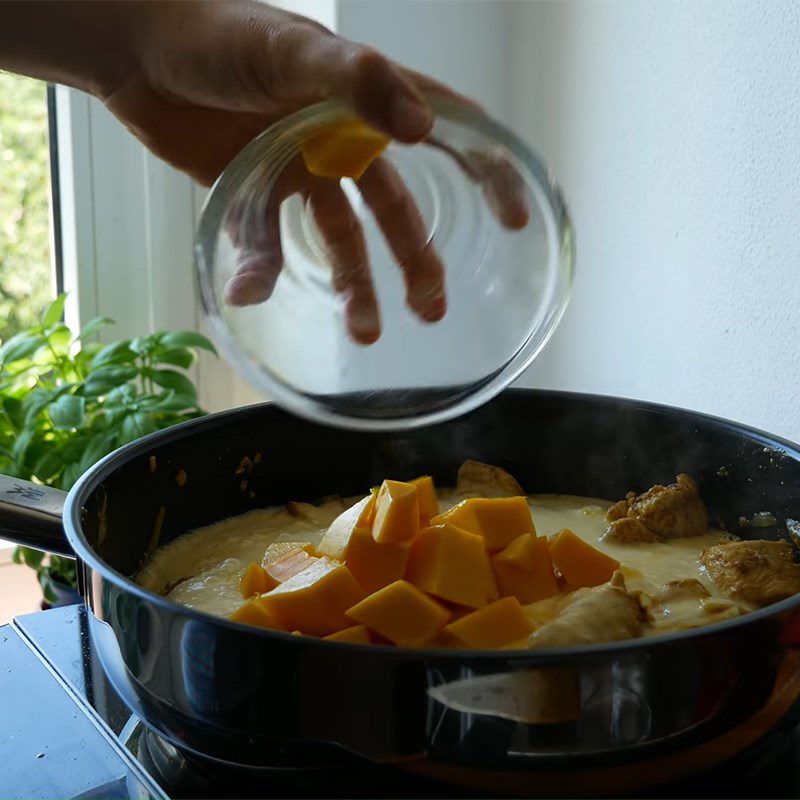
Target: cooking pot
x=589 y=719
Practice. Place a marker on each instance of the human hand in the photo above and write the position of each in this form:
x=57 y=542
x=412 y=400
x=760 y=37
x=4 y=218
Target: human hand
x=209 y=77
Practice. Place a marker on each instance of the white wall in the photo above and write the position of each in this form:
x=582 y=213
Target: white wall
x=463 y=43
x=674 y=129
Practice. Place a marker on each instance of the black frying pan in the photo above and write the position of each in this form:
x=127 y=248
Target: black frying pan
x=593 y=719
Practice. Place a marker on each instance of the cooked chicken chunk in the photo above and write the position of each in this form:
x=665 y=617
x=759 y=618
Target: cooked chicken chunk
x=628 y=530
x=543 y=611
x=758 y=572
x=685 y=604
x=484 y=480
x=662 y=512
x=682 y=589
x=605 y=613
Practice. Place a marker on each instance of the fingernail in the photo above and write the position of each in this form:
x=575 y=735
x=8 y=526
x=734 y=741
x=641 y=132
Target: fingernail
x=436 y=310
x=246 y=290
x=410 y=118
x=364 y=319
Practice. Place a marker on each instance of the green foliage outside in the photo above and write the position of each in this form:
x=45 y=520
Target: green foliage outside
x=65 y=402
x=26 y=285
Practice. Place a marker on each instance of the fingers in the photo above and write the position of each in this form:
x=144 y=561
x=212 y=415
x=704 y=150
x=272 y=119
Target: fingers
x=257 y=268
x=296 y=59
x=431 y=86
x=405 y=232
x=505 y=192
x=254 y=228
x=502 y=185
x=347 y=253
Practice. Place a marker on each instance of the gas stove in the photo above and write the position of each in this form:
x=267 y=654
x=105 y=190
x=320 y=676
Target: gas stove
x=65 y=733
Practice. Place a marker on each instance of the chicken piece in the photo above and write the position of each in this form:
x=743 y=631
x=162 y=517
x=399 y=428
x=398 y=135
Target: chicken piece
x=758 y=572
x=484 y=480
x=543 y=611
x=605 y=613
x=662 y=512
x=682 y=589
x=628 y=530
x=685 y=604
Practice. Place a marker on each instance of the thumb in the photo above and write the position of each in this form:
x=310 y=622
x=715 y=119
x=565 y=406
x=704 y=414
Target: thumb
x=303 y=61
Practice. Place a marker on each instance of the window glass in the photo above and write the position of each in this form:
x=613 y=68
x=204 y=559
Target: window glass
x=26 y=273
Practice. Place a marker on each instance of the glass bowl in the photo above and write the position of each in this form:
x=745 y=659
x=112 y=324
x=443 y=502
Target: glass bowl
x=472 y=201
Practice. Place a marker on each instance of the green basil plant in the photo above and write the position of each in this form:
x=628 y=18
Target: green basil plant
x=66 y=401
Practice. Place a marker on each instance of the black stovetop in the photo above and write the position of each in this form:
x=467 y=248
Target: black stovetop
x=64 y=733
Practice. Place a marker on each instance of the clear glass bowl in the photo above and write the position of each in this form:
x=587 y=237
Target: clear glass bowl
x=485 y=204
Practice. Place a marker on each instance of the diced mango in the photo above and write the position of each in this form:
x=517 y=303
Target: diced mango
x=578 y=562
x=499 y=520
x=524 y=569
x=336 y=540
x=343 y=150
x=357 y=634
x=451 y=564
x=495 y=625
x=277 y=550
x=253 y=612
x=426 y=497
x=375 y=564
x=401 y=613
x=288 y=565
x=256 y=581
x=492 y=587
x=349 y=539
x=316 y=599
x=396 y=512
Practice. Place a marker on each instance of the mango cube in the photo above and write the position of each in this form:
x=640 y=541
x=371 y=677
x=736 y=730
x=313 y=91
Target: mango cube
x=373 y=564
x=524 y=569
x=396 y=512
x=578 y=562
x=343 y=150
x=316 y=599
x=496 y=625
x=426 y=497
x=357 y=634
x=253 y=612
x=451 y=564
x=336 y=540
x=292 y=560
x=401 y=613
x=256 y=581
x=499 y=520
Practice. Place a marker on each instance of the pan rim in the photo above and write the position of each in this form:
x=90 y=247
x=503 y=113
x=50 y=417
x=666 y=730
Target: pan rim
x=91 y=480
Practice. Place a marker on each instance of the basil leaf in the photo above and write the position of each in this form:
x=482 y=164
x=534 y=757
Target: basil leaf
x=54 y=312
x=170 y=379
x=180 y=356
x=134 y=426
x=103 y=380
x=14 y=408
x=94 y=325
x=187 y=339
x=21 y=346
x=68 y=412
x=118 y=352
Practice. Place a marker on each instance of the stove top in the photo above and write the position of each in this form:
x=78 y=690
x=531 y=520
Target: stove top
x=65 y=733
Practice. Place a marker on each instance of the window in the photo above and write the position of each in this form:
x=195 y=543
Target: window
x=27 y=277
x=29 y=248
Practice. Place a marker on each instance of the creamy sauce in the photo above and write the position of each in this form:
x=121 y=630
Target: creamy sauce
x=201 y=569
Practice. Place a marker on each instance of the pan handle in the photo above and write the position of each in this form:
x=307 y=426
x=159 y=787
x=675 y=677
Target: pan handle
x=32 y=515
